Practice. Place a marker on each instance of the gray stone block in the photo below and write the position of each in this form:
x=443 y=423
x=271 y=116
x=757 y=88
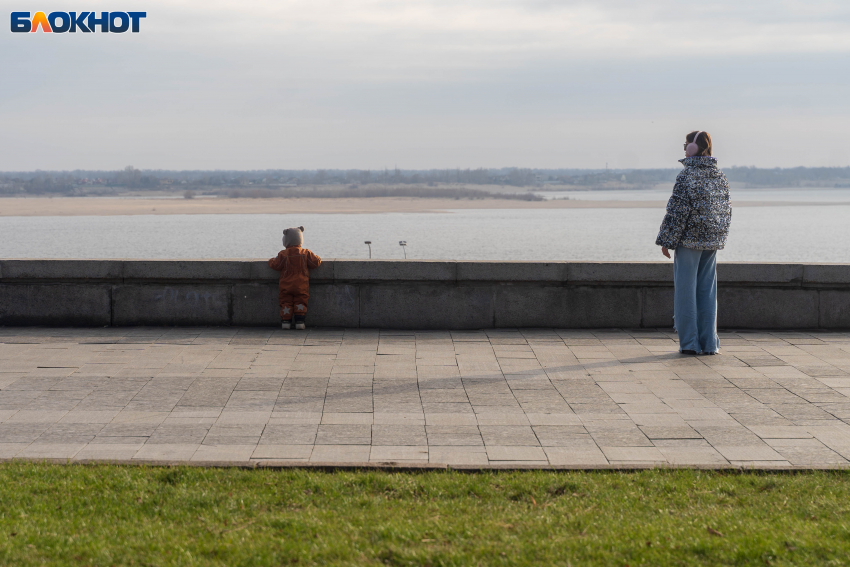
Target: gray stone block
x=426 y=306
x=827 y=274
x=765 y=308
x=188 y=304
x=255 y=304
x=260 y=272
x=757 y=273
x=511 y=271
x=394 y=270
x=657 y=307
x=336 y=305
x=834 y=309
x=330 y=305
x=188 y=270
x=324 y=273
x=619 y=272
x=567 y=307
x=55 y=304
x=61 y=270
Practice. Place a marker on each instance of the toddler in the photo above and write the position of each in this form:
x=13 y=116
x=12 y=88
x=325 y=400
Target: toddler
x=294 y=263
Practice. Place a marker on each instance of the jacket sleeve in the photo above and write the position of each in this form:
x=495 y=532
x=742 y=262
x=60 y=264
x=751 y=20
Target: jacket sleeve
x=313 y=261
x=673 y=225
x=276 y=263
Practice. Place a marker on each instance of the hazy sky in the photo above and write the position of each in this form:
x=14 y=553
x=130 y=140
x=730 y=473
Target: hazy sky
x=429 y=83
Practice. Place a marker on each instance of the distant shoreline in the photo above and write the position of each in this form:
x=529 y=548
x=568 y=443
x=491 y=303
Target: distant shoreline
x=100 y=206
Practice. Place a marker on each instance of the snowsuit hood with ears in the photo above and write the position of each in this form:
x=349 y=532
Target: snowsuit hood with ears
x=293 y=237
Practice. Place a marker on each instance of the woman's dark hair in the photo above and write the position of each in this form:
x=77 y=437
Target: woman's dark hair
x=703 y=142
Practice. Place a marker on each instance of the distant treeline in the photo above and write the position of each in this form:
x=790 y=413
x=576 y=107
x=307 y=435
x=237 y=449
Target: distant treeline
x=86 y=182
x=791 y=177
x=366 y=192
x=132 y=178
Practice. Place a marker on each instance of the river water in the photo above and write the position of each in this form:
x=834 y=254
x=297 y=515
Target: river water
x=813 y=233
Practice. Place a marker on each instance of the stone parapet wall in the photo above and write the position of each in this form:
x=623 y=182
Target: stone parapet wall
x=414 y=294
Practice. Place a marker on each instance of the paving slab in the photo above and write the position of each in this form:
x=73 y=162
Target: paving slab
x=693 y=456
x=11 y=450
x=458 y=455
x=500 y=398
x=634 y=454
x=572 y=457
x=399 y=453
x=229 y=453
x=761 y=452
x=50 y=451
x=108 y=451
x=340 y=454
x=167 y=452
x=515 y=453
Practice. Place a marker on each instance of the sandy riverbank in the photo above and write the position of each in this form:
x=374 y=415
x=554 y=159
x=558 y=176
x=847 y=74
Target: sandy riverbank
x=84 y=206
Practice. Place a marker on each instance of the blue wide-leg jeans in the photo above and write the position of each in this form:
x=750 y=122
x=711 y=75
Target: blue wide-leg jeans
x=695 y=303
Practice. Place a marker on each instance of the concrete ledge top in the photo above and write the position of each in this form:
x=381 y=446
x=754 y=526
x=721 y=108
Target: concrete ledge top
x=436 y=271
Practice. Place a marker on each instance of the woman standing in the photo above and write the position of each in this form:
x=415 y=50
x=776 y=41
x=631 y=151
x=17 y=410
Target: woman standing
x=696 y=226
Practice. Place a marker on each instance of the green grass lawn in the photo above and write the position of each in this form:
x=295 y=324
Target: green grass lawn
x=113 y=515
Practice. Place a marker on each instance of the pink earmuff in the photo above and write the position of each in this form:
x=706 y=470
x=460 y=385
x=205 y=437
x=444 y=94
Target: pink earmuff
x=692 y=149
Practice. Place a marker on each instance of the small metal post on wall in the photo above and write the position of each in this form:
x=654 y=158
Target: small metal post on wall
x=403 y=244
x=369 y=244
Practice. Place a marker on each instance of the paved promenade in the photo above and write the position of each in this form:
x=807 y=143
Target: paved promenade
x=505 y=397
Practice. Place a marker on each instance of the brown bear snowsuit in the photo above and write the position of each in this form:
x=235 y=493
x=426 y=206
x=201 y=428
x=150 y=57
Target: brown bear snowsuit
x=294 y=263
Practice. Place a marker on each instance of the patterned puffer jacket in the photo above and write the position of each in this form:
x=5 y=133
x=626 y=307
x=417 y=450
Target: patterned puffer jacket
x=698 y=213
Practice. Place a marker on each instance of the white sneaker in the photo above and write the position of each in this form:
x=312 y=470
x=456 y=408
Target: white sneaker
x=285 y=325
x=300 y=326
